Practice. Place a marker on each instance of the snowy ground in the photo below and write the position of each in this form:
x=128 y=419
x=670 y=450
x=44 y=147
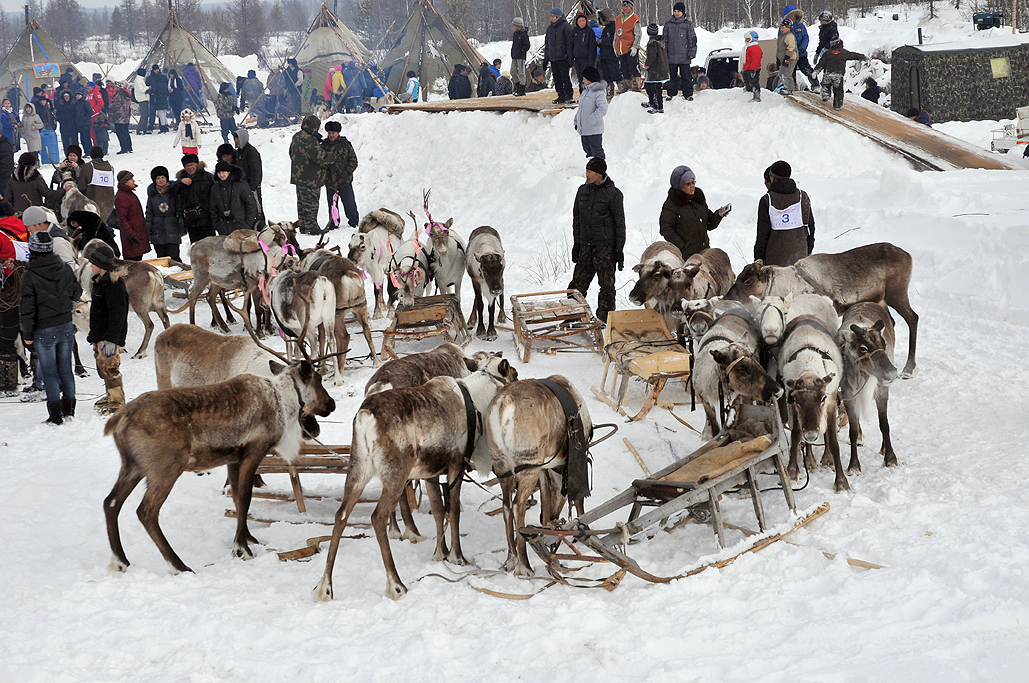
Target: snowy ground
x=948 y=525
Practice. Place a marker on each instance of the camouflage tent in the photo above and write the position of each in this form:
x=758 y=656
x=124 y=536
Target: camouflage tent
x=327 y=42
x=958 y=82
x=430 y=46
x=176 y=47
x=34 y=60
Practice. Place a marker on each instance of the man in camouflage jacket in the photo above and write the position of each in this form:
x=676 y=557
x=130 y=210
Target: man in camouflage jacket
x=340 y=164
x=307 y=172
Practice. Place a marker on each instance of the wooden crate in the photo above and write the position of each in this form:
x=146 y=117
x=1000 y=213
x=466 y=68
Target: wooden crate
x=556 y=321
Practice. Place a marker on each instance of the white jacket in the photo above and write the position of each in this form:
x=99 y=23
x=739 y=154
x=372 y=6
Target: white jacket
x=139 y=87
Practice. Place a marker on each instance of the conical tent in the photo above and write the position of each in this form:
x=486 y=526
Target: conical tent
x=176 y=47
x=430 y=46
x=327 y=42
x=34 y=60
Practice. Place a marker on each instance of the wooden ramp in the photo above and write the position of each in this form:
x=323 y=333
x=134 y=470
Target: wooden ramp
x=541 y=102
x=926 y=148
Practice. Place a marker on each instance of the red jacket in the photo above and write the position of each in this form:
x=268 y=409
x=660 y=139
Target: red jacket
x=96 y=100
x=131 y=223
x=754 y=55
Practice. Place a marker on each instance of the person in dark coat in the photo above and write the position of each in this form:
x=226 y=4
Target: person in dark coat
x=307 y=172
x=108 y=324
x=83 y=117
x=584 y=46
x=681 y=40
x=157 y=88
x=519 y=49
x=557 y=50
x=49 y=291
x=341 y=162
x=6 y=163
x=685 y=219
x=27 y=187
x=610 y=68
x=176 y=94
x=598 y=235
x=249 y=160
x=193 y=189
x=487 y=81
x=834 y=62
x=871 y=91
x=232 y=204
x=788 y=209
x=656 y=71
x=92 y=185
x=64 y=112
x=163 y=218
x=828 y=31
x=131 y=220
x=460 y=88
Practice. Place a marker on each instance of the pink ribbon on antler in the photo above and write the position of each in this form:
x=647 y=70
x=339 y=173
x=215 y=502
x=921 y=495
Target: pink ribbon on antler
x=428 y=228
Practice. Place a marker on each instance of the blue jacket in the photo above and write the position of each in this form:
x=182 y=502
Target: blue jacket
x=799 y=29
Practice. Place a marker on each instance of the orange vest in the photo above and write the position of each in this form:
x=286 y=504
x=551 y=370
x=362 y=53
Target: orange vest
x=624 y=32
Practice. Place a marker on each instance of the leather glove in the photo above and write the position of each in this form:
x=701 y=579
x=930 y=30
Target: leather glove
x=620 y=260
x=108 y=349
x=575 y=253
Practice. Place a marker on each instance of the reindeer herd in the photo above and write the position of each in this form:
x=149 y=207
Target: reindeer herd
x=771 y=334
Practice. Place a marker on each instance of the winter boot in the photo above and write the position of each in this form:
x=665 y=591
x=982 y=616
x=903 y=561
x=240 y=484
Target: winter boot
x=757 y=95
x=636 y=84
x=8 y=378
x=68 y=407
x=624 y=86
x=56 y=417
x=610 y=91
x=115 y=397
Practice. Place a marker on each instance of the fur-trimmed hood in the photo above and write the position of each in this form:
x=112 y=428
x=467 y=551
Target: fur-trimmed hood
x=680 y=198
x=26 y=174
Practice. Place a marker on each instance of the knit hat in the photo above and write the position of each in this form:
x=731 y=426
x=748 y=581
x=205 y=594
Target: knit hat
x=787 y=23
x=190 y=159
x=158 y=171
x=333 y=127
x=124 y=176
x=652 y=29
x=780 y=169
x=557 y=12
x=591 y=74
x=825 y=15
x=222 y=166
x=519 y=22
x=680 y=175
x=102 y=257
x=679 y=7
x=74 y=149
x=597 y=165
x=97 y=152
x=34 y=215
x=41 y=242
x=630 y=3
x=838 y=42
x=753 y=36
x=226 y=148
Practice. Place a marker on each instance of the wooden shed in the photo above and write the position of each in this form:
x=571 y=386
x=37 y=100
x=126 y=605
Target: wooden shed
x=962 y=82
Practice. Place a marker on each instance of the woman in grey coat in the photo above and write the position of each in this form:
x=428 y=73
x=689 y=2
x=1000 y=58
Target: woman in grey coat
x=31 y=124
x=589 y=116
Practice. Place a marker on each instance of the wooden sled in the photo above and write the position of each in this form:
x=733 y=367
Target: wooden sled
x=638 y=344
x=313 y=459
x=695 y=481
x=180 y=282
x=554 y=321
x=429 y=316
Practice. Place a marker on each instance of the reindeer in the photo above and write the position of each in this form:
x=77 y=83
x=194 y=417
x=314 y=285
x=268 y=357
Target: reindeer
x=527 y=431
x=485 y=264
x=187 y=356
x=304 y=306
x=727 y=367
x=447 y=254
x=416 y=433
x=866 y=340
x=372 y=246
x=879 y=273
x=809 y=366
x=236 y=261
x=703 y=275
x=162 y=434
x=408 y=270
x=143 y=283
x=655 y=272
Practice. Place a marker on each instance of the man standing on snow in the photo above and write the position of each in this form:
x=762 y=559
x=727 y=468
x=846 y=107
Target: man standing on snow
x=519 y=48
x=800 y=33
x=341 y=162
x=598 y=235
x=786 y=56
x=681 y=42
x=785 y=224
x=557 y=49
x=628 y=32
x=249 y=160
x=307 y=172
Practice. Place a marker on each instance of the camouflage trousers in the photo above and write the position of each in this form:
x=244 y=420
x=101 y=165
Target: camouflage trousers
x=598 y=260
x=308 y=199
x=109 y=370
x=835 y=82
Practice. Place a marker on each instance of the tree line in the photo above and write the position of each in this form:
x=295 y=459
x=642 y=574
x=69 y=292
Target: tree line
x=273 y=29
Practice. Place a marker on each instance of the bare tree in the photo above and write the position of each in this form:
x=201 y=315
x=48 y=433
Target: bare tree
x=248 y=26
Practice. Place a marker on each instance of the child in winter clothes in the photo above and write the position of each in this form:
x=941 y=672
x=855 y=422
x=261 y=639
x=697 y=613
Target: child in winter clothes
x=657 y=71
x=102 y=130
x=189 y=133
x=589 y=115
x=828 y=31
x=752 y=65
x=834 y=63
x=108 y=313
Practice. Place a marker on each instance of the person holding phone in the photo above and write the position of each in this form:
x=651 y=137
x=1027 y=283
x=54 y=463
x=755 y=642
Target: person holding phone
x=685 y=219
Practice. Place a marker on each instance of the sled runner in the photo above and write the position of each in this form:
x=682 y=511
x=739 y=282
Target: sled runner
x=429 y=316
x=554 y=321
x=313 y=459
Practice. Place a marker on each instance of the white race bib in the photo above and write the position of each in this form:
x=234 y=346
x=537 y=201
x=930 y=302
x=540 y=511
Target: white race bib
x=21 y=251
x=789 y=218
x=102 y=178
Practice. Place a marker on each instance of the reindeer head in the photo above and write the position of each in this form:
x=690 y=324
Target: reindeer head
x=752 y=281
x=771 y=317
x=744 y=373
x=439 y=233
x=314 y=399
x=870 y=352
x=654 y=278
x=492 y=268
x=810 y=402
x=680 y=285
x=358 y=247
x=499 y=369
x=408 y=276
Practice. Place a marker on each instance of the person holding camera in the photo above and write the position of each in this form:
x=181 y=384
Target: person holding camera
x=193 y=189
x=685 y=219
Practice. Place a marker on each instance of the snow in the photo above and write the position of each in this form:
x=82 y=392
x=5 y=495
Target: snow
x=948 y=525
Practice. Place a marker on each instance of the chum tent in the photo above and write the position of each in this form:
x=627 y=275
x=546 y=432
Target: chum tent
x=430 y=46
x=34 y=59
x=176 y=47
x=327 y=42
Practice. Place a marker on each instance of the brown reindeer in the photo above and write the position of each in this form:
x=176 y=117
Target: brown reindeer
x=144 y=285
x=416 y=433
x=187 y=356
x=655 y=269
x=866 y=339
x=485 y=264
x=704 y=275
x=879 y=273
x=351 y=297
x=162 y=434
x=526 y=428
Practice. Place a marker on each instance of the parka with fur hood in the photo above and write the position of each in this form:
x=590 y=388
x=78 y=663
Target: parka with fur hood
x=232 y=203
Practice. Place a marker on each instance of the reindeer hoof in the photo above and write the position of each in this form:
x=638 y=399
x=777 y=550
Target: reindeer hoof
x=841 y=485
x=854 y=470
x=323 y=591
x=81 y=372
x=118 y=565
x=243 y=551
x=793 y=472
x=141 y=354
x=413 y=537
x=523 y=571
x=458 y=560
x=908 y=373
x=395 y=590
x=890 y=460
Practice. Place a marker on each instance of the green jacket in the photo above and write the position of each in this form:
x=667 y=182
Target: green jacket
x=307 y=156
x=340 y=162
